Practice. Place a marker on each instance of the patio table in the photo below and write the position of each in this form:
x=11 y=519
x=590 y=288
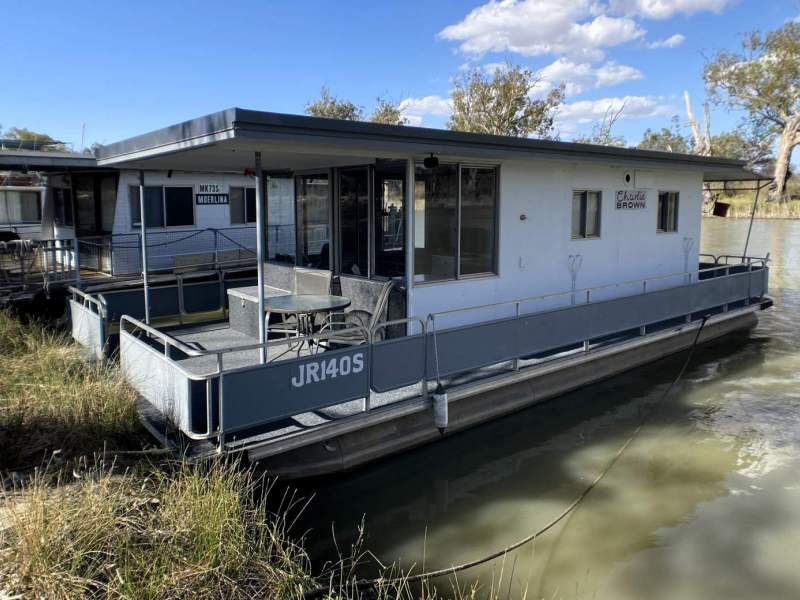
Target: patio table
x=304 y=307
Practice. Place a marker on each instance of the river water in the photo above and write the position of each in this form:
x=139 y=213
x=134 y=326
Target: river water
x=704 y=504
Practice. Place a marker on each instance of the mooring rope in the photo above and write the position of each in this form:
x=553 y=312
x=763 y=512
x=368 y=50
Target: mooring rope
x=371 y=583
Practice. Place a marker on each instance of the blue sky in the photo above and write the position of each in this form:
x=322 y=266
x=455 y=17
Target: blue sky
x=126 y=68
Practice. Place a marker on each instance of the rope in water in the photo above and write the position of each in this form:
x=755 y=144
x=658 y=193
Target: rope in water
x=371 y=583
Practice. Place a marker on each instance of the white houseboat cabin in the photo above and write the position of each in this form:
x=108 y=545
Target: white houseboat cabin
x=509 y=270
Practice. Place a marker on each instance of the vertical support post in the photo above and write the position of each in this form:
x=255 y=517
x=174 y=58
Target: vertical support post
x=143 y=227
x=752 y=216
x=409 y=241
x=516 y=315
x=260 y=222
x=76 y=262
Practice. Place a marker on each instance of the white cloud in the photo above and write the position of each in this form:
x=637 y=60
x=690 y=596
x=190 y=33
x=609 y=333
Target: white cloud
x=537 y=27
x=672 y=41
x=416 y=109
x=582 y=112
x=665 y=9
x=612 y=73
x=579 y=77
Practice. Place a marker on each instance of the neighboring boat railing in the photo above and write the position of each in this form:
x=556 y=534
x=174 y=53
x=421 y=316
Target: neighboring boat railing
x=391 y=364
x=726 y=258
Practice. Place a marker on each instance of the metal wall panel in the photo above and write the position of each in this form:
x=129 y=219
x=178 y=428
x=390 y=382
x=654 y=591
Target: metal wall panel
x=397 y=363
x=258 y=395
x=157 y=379
x=472 y=346
x=87 y=328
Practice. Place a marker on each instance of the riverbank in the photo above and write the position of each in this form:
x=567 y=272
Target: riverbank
x=741 y=207
x=88 y=509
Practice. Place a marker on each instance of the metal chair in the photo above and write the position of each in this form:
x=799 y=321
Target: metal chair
x=341 y=324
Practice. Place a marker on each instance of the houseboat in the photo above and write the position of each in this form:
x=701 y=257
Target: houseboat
x=410 y=282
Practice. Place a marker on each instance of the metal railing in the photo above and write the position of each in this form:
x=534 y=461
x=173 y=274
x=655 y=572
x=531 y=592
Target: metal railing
x=588 y=292
x=169 y=250
x=36 y=264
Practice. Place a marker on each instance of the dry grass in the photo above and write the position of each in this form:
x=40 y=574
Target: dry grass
x=175 y=532
x=165 y=530
x=52 y=399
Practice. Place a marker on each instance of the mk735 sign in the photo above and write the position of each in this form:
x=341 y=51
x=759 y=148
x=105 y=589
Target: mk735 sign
x=631 y=199
x=210 y=194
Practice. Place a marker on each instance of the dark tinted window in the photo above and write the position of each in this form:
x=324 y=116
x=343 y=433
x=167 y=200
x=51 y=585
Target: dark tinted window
x=179 y=203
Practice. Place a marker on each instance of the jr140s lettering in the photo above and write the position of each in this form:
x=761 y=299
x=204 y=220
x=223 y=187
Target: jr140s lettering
x=340 y=366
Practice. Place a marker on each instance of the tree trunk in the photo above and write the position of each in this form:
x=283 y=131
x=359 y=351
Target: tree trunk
x=777 y=190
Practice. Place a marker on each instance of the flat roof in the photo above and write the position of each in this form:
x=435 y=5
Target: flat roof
x=225 y=140
x=42 y=160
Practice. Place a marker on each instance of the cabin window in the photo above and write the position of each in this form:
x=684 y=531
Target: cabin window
x=20 y=206
x=242 y=205
x=667 y=212
x=165 y=206
x=280 y=219
x=63 y=207
x=478 y=220
x=586 y=207
x=354 y=220
x=455 y=222
x=313 y=217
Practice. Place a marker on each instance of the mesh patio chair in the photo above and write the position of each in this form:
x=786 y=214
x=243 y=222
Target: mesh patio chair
x=341 y=324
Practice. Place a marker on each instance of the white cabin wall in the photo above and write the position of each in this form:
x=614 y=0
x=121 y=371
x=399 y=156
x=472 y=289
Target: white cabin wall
x=161 y=255
x=534 y=253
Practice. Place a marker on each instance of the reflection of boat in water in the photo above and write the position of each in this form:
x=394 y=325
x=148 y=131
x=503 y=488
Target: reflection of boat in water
x=519 y=278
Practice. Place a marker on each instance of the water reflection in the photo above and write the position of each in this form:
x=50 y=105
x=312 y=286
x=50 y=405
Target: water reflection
x=706 y=503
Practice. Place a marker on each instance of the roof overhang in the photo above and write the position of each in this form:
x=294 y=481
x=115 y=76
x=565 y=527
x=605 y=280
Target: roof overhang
x=36 y=160
x=225 y=142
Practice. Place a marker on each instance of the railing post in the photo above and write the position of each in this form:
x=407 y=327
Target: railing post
x=749 y=283
x=77 y=260
x=221 y=412
x=516 y=360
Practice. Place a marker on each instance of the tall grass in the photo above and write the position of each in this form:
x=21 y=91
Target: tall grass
x=178 y=532
x=52 y=399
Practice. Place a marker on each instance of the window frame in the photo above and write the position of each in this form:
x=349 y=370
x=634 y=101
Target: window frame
x=676 y=222
x=138 y=224
x=584 y=213
x=495 y=272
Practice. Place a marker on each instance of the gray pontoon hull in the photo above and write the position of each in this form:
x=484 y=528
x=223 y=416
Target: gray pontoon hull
x=366 y=437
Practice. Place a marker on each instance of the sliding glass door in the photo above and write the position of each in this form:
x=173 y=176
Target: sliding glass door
x=354 y=221
x=390 y=220
x=313 y=221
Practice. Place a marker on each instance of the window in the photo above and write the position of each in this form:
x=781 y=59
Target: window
x=243 y=205
x=179 y=205
x=667 y=212
x=313 y=215
x=165 y=206
x=20 y=206
x=354 y=220
x=280 y=219
x=586 y=207
x=63 y=207
x=478 y=220
x=435 y=223
x=455 y=222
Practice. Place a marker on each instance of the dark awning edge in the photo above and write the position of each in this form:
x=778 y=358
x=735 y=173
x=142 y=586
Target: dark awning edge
x=251 y=124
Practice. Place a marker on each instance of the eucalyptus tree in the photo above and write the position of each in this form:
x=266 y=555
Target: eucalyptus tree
x=504 y=102
x=387 y=112
x=330 y=107
x=763 y=79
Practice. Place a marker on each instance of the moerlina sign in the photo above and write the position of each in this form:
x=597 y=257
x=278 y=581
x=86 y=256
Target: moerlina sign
x=210 y=194
x=631 y=199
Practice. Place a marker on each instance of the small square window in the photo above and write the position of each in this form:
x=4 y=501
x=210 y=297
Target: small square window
x=179 y=205
x=242 y=205
x=154 y=201
x=667 y=212
x=586 y=207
